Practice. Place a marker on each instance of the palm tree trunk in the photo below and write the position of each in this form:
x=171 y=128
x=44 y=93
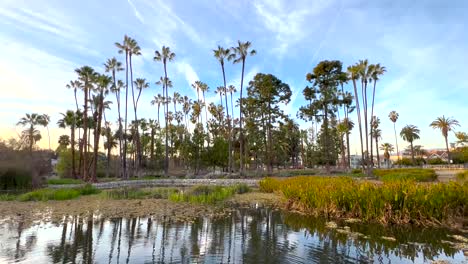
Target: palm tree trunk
x=137 y=135
x=241 y=120
x=72 y=139
x=396 y=143
x=109 y=147
x=412 y=153
x=348 y=149
x=117 y=97
x=97 y=133
x=126 y=116
x=366 y=125
x=372 y=128
x=206 y=116
x=85 y=132
x=358 y=110
x=166 y=162
x=448 y=150
x=377 y=150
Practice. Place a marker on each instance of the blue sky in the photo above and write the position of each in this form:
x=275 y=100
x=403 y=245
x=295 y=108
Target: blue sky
x=423 y=45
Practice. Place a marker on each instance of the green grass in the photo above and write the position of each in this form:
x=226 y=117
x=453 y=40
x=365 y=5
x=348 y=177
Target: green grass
x=57 y=194
x=8 y=197
x=63 y=181
x=208 y=194
x=136 y=193
x=419 y=175
x=398 y=202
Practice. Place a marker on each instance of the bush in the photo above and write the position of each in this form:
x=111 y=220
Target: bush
x=390 y=202
x=356 y=171
x=63 y=181
x=462 y=176
x=58 y=194
x=15 y=179
x=419 y=175
x=436 y=161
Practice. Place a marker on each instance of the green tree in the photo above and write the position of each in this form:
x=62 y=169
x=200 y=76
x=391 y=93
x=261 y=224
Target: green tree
x=140 y=84
x=410 y=133
x=267 y=92
x=324 y=99
x=31 y=134
x=239 y=55
x=462 y=138
x=387 y=148
x=376 y=70
x=445 y=124
x=70 y=119
x=165 y=56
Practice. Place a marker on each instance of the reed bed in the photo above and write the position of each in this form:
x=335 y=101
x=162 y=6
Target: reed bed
x=398 y=202
x=208 y=194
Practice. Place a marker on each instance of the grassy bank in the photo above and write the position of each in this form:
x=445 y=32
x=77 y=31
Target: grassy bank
x=137 y=193
x=419 y=175
x=462 y=176
x=51 y=194
x=208 y=194
x=398 y=202
x=63 y=181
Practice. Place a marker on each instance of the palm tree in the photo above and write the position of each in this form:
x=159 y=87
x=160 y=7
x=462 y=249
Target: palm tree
x=109 y=144
x=31 y=134
x=176 y=98
x=394 y=117
x=376 y=70
x=377 y=134
x=221 y=54
x=69 y=120
x=365 y=74
x=165 y=56
x=445 y=124
x=239 y=55
x=387 y=148
x=353 y=74
x=113 y=65
x=87 y=75
x=374 y=124
x=140 y=84
x=45 y=120
x=410 y=133
x=349 y=126
x=158 y=100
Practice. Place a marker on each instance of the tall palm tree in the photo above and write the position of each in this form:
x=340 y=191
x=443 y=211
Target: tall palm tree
x=113 y=66
x=410 y=133
x=109 y=144
x=239 y=55
x=86 y=75
x=221 y=54
x=165 y=56
x=140 y=84
x=69 y=120
x=365 y=74
x=204 y=89
x=353 y=74
x=376 y=70
x=377 y=134
x=31 y=134
x=349 y=126
x=394 y=117
x=445 y=124
x=158 y=101
x=176 y=98
x=374 y=124
x=387 y=148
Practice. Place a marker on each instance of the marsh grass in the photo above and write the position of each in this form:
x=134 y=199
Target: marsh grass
x=419 y=175
x=208 y=194
x=397 y=202
x=136 y=193
x=462 y=176
x=57 y=194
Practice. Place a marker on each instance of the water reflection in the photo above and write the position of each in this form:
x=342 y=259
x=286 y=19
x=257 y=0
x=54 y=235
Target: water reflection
x=247 y=236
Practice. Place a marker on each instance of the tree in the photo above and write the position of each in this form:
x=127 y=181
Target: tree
x=410 y=133
x=239 y=55
x=353 y=74
x=113 y=65
x=69 y=119
x=109 y=144
x=376 y=134
x=44 y=121
x=31 y=134
x=140 y=84
x=394 y=117
x=349 y=124
x=323 y=98
x=63 y=141
x=221 y=54
x=445 y=124
x=86 y=75
x=462 y=138
x=376 y=70
x=165 y=56
x=387 y=148
x=267 y=92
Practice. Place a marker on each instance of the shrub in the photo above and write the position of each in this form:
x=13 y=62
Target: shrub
x=15 y=179
x=436 y=161
x=419 y=175
x=390 y=202
x=356 y=171
x=88 y=189
x=49 y=194
x=462 y=176
x=63 y=181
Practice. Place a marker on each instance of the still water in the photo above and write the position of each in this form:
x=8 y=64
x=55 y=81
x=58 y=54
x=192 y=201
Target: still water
x=246 y=236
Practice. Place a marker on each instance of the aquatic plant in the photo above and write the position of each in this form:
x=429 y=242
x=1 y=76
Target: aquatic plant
x=400 y=201
x=208 y=194
x=58 y=194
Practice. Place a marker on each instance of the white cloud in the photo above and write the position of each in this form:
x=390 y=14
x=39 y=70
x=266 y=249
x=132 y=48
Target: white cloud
x=188 y=72
x=136 y=12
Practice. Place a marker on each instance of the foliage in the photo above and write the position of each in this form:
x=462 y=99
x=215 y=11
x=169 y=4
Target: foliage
x=419 y=175
x=402 y=202
x=436 y=161
x=15 y=179
x=58 y=194
x=208 y=194
x=462 y=176
x=136 y=193
x=63 y=181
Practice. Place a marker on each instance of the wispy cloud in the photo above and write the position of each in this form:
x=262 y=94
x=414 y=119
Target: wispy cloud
x=136 y=12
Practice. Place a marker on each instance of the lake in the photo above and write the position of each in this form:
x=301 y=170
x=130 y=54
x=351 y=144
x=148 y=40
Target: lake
x=248 y=235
